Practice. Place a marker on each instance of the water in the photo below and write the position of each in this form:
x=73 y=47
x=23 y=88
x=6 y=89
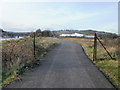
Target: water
x=1 y=38
x=89 y=36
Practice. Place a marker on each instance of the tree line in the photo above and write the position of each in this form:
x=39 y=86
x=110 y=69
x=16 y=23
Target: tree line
x=39 y=33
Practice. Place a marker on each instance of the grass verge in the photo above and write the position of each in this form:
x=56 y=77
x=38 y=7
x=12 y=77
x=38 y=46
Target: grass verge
x=17 y=56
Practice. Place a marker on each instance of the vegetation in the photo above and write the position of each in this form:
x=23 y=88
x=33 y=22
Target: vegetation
x=110 y=67
x=47 y=33
x=17 y=55
x=39 y=33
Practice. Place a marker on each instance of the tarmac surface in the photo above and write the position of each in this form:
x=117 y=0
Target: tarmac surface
x=66 y=66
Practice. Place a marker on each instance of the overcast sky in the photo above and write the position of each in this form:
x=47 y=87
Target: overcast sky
x=29 y=16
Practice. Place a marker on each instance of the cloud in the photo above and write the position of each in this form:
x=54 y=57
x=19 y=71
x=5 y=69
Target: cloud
x=16 y=27
x=41 y=17
x=113 y=27
x=30 y=16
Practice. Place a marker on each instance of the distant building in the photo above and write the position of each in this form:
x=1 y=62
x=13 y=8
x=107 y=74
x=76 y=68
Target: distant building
x=89 y=36
x=72 y=35
x=77 y=35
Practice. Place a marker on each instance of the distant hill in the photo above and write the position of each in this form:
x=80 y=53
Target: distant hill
x=87 y=32
x=92 y=32
x=100 y=34
x=12 y=34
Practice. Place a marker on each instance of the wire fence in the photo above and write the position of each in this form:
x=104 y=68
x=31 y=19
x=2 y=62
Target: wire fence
x=97 y=42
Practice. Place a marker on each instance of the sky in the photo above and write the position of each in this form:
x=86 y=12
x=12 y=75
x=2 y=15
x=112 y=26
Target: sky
x=29 y=16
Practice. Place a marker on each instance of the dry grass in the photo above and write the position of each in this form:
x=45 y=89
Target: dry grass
x=18 y=55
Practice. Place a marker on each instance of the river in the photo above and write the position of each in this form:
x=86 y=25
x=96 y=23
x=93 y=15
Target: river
x=8 y=38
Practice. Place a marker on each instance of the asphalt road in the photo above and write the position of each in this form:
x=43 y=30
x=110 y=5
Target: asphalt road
x=66 y=66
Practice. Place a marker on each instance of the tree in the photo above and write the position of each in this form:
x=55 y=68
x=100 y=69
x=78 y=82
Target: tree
x=38 y=33
x=108 y=36
x=46 y=33
x=31 y=34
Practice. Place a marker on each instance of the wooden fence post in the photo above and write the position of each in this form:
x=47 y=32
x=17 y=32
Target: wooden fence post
x=34 y=44
x=95 y=48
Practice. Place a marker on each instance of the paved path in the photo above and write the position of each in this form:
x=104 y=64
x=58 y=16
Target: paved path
x=66 y=66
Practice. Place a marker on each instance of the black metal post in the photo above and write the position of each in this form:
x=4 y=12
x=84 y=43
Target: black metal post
x=34 y=44
x=95 y=48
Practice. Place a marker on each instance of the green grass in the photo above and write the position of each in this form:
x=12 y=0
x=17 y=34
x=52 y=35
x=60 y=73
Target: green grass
x=111 y=68
x=89 y=51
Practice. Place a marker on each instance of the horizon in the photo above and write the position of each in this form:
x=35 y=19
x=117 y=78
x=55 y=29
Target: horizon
x=30 y=16
x=57 y=30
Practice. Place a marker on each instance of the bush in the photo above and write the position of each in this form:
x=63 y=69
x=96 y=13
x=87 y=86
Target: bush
x=17 y=54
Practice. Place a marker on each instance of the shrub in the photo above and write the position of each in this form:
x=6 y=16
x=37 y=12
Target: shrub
x=17 y=54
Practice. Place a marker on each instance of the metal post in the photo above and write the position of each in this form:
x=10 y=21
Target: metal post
x=34 y=44
x=95 y=48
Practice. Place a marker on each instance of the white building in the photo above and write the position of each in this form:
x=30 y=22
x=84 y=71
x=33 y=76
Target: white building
x=72 y=35
x=89 y=36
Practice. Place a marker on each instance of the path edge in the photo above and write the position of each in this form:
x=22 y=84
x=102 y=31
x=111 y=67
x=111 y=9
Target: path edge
x=101 y=70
